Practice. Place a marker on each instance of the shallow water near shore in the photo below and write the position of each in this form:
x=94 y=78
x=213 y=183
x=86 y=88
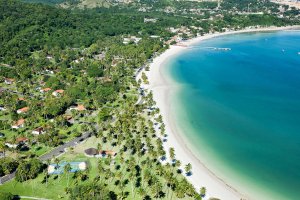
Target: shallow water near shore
x=240 y=109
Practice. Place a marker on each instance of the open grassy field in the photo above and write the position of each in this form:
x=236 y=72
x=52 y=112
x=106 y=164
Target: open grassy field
x=55 y=187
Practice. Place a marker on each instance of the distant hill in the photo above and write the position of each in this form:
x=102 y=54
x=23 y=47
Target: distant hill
x=109 y=3
x=50 y=2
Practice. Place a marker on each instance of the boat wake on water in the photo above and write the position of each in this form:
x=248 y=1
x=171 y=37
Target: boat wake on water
x=211 y=48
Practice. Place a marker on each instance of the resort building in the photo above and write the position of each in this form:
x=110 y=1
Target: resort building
x=58 y=93
x=100 y=56
x=78 y=108
x=69 y=119
x=108 y=153
x=45 y=90
x=133 y=39
x=19 y=124
x=11 y=145
x=38 y=131
x=21 y=140
x=9 y=81
x=49 y=71
x=22 y=110
x=92 y=152
x=2 y=108
x=153 y=20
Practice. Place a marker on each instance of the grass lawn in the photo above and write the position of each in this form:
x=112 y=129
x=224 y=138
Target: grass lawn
x=55 y=189
x=56 y=184
x=4 y=116
x=40 y=150
x=36 y=188
x=9 y=134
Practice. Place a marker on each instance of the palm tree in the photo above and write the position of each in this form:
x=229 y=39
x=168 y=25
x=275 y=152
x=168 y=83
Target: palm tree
x=141 y=192
x=46 y=172
x=172 y=153
x=56 y=161
x=188 y=168
x=202 y=192
x=2 y=147
x=67 y=169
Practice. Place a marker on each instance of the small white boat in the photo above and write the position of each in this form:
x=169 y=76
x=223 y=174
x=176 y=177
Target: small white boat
x=222 y=49
x=299 y=53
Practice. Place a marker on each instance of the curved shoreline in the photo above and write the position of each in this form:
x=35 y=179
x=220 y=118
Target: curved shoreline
x=163 y=87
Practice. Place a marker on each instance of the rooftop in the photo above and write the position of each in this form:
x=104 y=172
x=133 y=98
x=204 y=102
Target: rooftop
x=19 y=122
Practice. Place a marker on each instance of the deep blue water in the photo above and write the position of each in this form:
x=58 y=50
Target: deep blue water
x=244 y=104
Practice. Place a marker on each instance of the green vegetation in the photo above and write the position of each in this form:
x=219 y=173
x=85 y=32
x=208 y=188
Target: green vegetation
x=69 y=72
x=6 y=195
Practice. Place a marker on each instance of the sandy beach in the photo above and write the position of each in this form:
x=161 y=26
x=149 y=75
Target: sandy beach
x=162 y=88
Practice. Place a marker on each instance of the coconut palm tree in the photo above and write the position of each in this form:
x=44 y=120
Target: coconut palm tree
x=2 y=147
x=56 y=161
x=67 y=169
x=188 y=168
x=202 y=192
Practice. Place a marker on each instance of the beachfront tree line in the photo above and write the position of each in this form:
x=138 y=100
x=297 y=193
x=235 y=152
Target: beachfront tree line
x=81 y=52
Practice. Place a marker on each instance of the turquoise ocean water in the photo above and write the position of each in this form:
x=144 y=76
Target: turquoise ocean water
x=241 y=109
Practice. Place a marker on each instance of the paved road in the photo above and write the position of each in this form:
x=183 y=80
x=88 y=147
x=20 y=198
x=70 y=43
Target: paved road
x=8 y=177
x=54 y=153
x=61 y=149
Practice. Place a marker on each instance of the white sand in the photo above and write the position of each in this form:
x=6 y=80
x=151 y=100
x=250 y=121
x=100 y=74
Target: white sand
x=162 y=89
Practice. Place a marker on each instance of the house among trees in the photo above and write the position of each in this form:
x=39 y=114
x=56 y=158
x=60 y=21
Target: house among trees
x=58 y=93
x=22 y=110
x=9 y=81
x=21 y=140
x=79 y=107
x=49 y=57
x=133 y=39
x=69 y=119
x=38 y=131
x=49 y=71
x=108 y=153
x=2 y=108
x=100 y=56
x=153 y=20
x=15 y=144
x=92 y=152
x=11 y=145
x=44 y=90
x=19 y=124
